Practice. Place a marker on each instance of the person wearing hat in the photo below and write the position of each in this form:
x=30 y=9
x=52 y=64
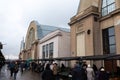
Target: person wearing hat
x=103 y=75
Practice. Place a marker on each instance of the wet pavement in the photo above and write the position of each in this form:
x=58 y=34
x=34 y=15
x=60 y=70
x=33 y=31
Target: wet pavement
x=27 y=75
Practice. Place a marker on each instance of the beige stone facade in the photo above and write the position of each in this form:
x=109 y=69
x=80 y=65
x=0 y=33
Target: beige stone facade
x=89 y=26
x=31 y=41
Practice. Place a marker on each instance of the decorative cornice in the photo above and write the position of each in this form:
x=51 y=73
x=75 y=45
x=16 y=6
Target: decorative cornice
x=89 y=11
x=52 y=36
x=35 y=42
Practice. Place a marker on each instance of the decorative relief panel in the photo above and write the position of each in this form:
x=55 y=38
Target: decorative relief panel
x=79 y=28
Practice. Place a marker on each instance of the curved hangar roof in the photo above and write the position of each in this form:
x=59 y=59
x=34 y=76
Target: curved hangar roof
x=43 y=30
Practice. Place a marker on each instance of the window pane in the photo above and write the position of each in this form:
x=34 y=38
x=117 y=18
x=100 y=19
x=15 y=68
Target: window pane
x=51 y=50
x=112 y=40
x=47 y=50
x=111 y=31
x=104 y=11
x=43 y=52
x=111 y=8
x=110 y=1
x=104 y=3
x=105 y=41
x=112 y=49
x=108 y=6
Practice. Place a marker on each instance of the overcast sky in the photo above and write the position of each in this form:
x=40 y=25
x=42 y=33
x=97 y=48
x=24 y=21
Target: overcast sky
x=16 y=15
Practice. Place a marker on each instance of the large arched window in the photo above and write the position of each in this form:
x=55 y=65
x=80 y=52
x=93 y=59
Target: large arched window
x=31 y=37
x=107 y=6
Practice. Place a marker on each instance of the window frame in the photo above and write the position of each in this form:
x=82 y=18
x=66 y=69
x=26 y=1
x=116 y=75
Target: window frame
x=51 y=49
x=43 y=51
x=47 y=50
x=106 y=41
x=107 y=6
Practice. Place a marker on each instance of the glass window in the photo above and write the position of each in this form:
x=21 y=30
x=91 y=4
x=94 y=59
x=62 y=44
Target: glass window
x=111 y=40
x=43 y=51
x=107 y=6
x=110 y=1
x=109 y=44
x=111 y=8
x=104 y=11
x=112 y=49
x=111 y=31
x=47 y=50
x=104 y=3
x=51 y=50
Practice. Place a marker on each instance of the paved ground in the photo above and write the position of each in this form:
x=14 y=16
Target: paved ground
x=27 y=75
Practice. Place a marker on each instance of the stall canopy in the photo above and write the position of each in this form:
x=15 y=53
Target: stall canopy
x=94 y=57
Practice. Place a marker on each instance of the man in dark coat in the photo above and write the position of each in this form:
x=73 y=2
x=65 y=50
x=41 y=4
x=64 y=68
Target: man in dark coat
x=84 y=72
x=16 y=68
x=79 y=73
x=11 y=68
x=76 y=72
x=47 y=73
x=103 y=75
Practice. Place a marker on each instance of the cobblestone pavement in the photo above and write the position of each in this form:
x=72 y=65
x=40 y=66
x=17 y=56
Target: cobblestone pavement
x=27 y=75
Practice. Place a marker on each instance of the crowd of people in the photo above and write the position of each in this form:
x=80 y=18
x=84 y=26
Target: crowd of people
x=51 y=70
x=87 y=72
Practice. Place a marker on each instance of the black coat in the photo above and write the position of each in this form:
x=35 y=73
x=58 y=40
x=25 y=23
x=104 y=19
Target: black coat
x=47 y=75
x=79 y=74
x=103 y=76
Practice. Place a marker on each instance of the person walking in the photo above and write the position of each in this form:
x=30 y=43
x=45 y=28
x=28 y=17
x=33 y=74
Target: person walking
x=76 y=72
x=11 y=68
x=55 y=71
x=47 y=73
x=90 y=73
x=16 y=69
x=22 y=67
x=103 y=75
x=84 y=72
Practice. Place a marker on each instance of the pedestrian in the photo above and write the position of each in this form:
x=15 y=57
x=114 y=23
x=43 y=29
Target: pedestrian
x=11 y=68
x=90 y=73
x=84 y=72
x=16 y=69
x=55 y=71
x=47 y=73
x=22 y=66
x=62 y=67
x=76 y=72
x=103 y=75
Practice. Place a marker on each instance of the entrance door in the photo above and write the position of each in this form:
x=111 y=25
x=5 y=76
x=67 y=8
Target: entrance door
x=110 y=65
x=109 y=47
x=81 y=44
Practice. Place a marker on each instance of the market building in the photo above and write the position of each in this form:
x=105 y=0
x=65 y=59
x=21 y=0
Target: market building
x=95 y=30
x=44 y=41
